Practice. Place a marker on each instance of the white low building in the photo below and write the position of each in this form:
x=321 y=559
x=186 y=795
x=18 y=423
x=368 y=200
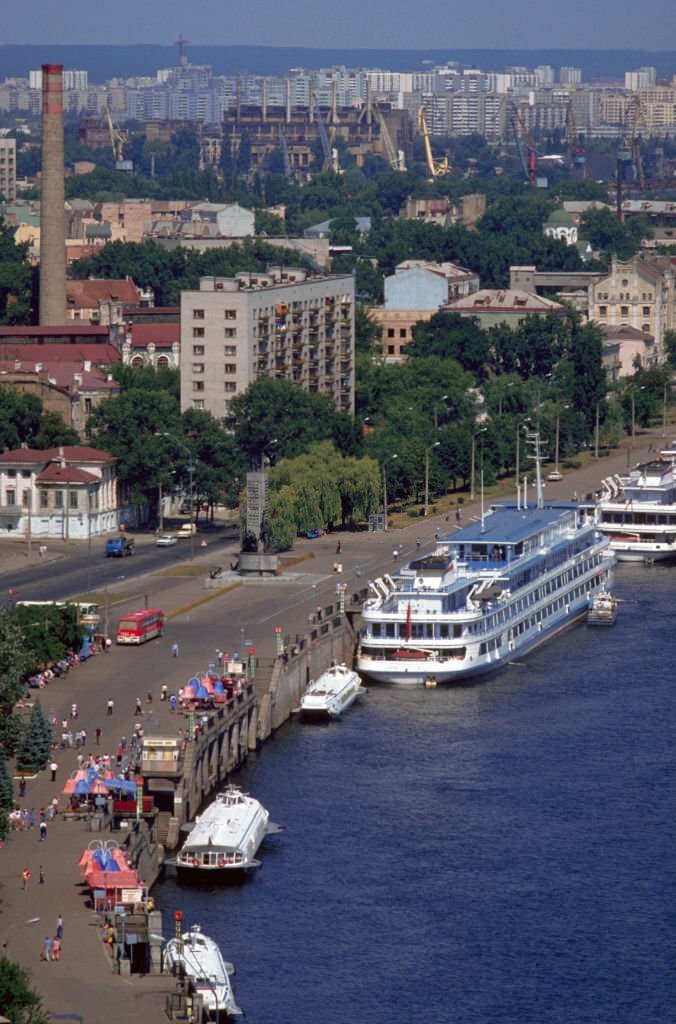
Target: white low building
x=69 y=492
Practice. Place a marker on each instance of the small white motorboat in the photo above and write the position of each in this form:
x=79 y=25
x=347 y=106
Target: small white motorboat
x=198 y=958
x=332 y=693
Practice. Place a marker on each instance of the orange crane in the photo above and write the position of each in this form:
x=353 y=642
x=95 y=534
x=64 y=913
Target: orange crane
x=436 y=168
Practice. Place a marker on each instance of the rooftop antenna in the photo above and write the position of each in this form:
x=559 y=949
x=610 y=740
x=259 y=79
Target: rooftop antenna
x=181 y=44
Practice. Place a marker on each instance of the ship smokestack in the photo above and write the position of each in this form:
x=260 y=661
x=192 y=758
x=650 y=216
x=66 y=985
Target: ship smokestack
x=52 y=215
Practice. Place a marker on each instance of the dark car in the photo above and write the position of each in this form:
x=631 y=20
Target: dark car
x=118 y=547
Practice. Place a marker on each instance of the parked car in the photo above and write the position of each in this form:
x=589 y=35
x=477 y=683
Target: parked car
x=313 y=534
x=118 y=547
x=186 y=530
x=555 y=474
x=166 y=540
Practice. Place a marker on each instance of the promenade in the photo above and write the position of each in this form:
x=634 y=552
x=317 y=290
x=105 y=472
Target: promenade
x=82 y=981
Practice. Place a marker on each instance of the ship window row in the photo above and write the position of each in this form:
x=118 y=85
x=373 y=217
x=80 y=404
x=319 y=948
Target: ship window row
x=534 y=596
x=551 y=609
x=639 y=518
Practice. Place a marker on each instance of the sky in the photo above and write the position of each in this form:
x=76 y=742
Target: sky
x=382 y=24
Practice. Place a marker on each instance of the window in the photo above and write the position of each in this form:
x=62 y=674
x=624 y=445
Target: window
x=603 y=310
x=73 y=499
x=44 y=499
x=624 y=310
x=230 y=386
x=230 y=314
x=391 y=350
x=198 y=350
x=231 y=367
x=646 y=311
x=26 y=474
x=198 y=367
x=198 y=385
x=229 y=350
x=198 y=332
x=58 y=499
x=25 y=498
x=646 y=328
x=230 y=332
x=625 y=283
x=88 y=406
x=198 y=314
x=198 y=403
x=390 y=332
x=11 y=473
x=402 y=332
x=11 y=496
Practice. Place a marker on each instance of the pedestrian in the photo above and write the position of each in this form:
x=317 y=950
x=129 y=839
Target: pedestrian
x=53 y=769
x=25 y=878
x=46 y=953
x=107 y=645
x=339 y=548
x=22 y=787
x=41 y=880
x=43 y=831
x=458 y=515
x=98 y=736
x=172 y=702
x=174 y=650
x=395 y=554
x=110 y=705
x=436 y=535
x=74 y=710
x=149 y=697
x=56 y=949
x=164 y=692
x=417 y=543
x=138 y=708
x=59 y=927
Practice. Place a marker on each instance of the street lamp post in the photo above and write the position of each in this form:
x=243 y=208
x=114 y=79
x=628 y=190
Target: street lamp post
x=633 y=410
x=191 y=468
x=444 y=398
x=472 y=492
x=596 y=430
x=391 y=458
x=427 y=474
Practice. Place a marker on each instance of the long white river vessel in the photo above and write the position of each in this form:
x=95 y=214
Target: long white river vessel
x=489 y=593
x=637 y=512
x=226 y=837
x=198 y=957
x=332 y=693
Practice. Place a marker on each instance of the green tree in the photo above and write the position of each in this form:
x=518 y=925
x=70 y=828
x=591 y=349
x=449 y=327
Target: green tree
x=219 y=467
x=6 y=795
x=20 y=1004
x=15 y=662
x=451 y=336
x=15 y=279
x=33 y=752
x=282 y=518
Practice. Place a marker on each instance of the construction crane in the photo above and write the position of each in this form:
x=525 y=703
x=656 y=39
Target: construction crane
x=330 y=152
x=576 y=154
x=395 y=157
x=635 y=114
x=435 y=168
x=180 y=45
x=118 y=139
x=528 y=154
x=288 y=169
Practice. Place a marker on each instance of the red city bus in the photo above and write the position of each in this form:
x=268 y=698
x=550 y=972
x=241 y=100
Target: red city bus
x=137 y=627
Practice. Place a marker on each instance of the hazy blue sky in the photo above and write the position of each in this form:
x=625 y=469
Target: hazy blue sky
x=578 y=24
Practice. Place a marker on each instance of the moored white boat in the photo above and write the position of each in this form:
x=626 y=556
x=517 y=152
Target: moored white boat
x=637 y=512
x=487 y=595
x=198 y=957
x=603 y=609
x=332 y=693
x=226 y=837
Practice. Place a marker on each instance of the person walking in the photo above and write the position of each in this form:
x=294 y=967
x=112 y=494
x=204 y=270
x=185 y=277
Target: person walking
x=59 y=927
x=46 y=952
x=139 y=707
x=98 y=736
x=53 y=769
x=74 y=711
x=164 y=692
x=22 y=787
x=56 y=949
x=174 y=650
x=339 y=547
x=110 y=705
x=43 y=831
x=25 y=878
x=417 y=543
x=41 y=880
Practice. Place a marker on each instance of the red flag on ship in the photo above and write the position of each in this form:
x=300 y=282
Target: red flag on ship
x=408 y=629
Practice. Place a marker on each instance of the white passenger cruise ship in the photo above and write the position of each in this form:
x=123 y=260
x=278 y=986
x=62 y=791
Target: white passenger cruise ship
x=637 y=512
x=488 y=594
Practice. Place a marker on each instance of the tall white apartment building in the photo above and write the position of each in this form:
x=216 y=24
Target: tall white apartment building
x=642 y=78
x=570 y=76
x=281 y=323
x=8 y=169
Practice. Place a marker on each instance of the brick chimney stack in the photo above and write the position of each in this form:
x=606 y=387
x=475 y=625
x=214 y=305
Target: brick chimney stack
x=52 y=214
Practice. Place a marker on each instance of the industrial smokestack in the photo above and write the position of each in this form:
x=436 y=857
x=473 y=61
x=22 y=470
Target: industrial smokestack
x=52 y=215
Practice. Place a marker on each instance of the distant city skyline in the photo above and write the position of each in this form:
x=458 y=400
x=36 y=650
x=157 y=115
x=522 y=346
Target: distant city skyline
x=607 y=24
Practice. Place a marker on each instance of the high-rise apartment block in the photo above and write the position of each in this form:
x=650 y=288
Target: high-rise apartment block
x=281 y=323
x=8 y=170
x=570 y=76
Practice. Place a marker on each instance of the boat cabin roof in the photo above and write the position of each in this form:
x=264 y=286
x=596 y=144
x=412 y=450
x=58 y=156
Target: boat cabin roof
x=506 y=524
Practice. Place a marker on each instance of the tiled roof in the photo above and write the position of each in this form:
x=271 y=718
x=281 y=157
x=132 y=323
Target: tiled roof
x=60 y=373
x=55 y=473
x=70 y=452
x=29 y=355
x=88 y=294
x=161 y=335
x=489 y=300
x=72 y=329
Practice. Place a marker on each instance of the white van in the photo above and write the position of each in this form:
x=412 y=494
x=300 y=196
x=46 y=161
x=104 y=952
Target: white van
x=186 y=530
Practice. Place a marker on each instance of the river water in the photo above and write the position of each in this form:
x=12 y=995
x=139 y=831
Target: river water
x=500 y=853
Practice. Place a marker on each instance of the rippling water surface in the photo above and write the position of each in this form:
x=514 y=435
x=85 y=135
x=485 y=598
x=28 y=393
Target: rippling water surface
x=490 y=854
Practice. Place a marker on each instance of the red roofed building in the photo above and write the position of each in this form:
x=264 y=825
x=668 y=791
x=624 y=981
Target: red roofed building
x=69 y=492
x=152 y=344
x=94 y=299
